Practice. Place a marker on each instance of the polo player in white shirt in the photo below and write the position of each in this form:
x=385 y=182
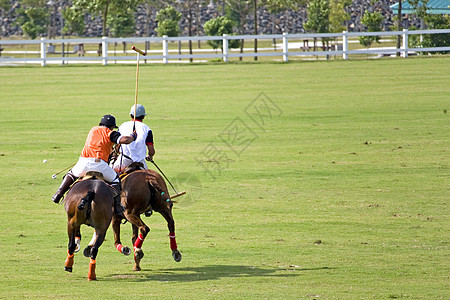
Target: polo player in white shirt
x=137 y=150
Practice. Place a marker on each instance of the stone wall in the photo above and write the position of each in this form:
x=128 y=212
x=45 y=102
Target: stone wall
x=288 y=21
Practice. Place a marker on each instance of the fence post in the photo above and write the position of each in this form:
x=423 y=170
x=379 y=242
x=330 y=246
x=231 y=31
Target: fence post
x=285 y=47
x=105 y=50
x=165 y=46
x=43 y=52
x=225 y=48
x=405 y=43
x=344 y=45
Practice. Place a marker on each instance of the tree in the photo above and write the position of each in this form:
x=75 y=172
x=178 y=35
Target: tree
x=217 y=27
x=318 y=17
x=150 y=7
x=5 y=5
x=255 y=19
x=122 y=24
x=33 y=17
x=168 y=19
x=237 y=11
x=373 y=22
x=104 y=8
x=399 y=26
x=279 y=5
x=74 y=20
x=433 y=22
x=420 y=8
x=439 y=39
x=338 y=15
x=187 y=6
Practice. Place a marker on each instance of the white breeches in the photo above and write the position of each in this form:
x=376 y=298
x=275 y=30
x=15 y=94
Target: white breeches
x=86 y=164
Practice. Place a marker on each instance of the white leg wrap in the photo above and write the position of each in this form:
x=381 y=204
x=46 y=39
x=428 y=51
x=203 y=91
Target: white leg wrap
x=78 y=243
x=94 y=237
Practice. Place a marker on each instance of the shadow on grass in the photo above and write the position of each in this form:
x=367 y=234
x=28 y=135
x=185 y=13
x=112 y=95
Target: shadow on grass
x=208 y=272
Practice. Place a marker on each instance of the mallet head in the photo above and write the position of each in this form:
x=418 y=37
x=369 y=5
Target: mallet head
x=138 y=51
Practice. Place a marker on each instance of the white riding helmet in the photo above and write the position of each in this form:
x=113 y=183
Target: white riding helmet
x=140 y=111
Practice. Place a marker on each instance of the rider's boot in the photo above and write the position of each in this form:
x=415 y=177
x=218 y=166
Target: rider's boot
x=66 y=183
x=118 y=208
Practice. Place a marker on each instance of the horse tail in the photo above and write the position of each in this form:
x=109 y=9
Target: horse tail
x=152 y=193
x=86 y=199
x=156 y=188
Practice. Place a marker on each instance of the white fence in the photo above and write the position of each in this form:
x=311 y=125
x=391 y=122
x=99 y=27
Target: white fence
x=284 y=51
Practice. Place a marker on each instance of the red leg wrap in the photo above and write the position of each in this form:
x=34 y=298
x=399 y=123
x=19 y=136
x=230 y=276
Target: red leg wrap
x=69 y=260
x=173 y=242
x=91 y=272
x=139 y=241
x=119 y=247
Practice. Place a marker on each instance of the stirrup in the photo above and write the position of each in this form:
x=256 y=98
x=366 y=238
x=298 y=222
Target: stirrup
x=148 y=213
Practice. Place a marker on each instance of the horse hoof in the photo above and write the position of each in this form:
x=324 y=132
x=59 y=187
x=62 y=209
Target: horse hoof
x=176 y=255
x=126 y=251
x=137 y=269
x=68 y=269
x=138 y=254
x=87 y=251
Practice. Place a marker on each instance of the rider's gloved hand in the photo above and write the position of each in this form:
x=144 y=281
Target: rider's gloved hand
x=134 y=135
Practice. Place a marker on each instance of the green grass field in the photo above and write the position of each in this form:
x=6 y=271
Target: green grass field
x=313 y=180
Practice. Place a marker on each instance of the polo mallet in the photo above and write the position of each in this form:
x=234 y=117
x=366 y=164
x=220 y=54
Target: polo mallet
x=138 y=52
x=56 y=174
x=177 y=194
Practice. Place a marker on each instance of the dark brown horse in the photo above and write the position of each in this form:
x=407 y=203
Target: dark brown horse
x=88 y=202
x=144 y=190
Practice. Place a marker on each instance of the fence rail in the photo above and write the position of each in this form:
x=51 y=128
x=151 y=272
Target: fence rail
x=47 y=54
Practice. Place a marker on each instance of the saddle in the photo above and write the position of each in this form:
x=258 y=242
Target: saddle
x=136 y=166
x=91 y=175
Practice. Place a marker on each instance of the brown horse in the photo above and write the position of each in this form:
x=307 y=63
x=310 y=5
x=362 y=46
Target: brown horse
x=88 y=202
x=144 y=190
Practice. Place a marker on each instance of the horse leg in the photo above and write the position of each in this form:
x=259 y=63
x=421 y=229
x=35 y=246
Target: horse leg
x=94 y=250
x=140 y=231
x=77 y=240
x=139 y=254
x=71 y=231
x=87 y=250
x=135 y=233
x=116 y=228
x=167 y=214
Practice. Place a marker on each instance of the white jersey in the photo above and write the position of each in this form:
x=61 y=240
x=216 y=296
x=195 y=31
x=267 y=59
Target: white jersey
x=136 y=150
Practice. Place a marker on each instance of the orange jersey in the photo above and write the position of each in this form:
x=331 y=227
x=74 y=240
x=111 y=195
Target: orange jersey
x=98 y=143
